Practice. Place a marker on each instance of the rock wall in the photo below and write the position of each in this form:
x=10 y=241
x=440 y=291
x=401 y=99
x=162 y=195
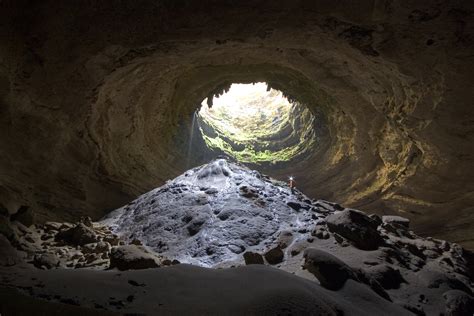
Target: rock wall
x=97 y=97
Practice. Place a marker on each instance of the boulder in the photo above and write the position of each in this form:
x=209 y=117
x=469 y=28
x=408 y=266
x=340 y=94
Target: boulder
x=253 y=258
x=396 y=220
x=437 y=279
x=24 y=215
x=331 y=272
x=388 y=277
x=357 y=227
x=131 y=257
x=46 y=261
x=78 y=235
x=294 y=205
x=458 y=303
x=275 y=255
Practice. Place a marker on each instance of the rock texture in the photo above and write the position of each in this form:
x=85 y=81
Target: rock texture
x=131 y=257
x=97 y=100
x=242 y=225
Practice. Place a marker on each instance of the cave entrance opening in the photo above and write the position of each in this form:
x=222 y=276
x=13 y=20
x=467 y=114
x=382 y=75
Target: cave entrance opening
x=254 y=123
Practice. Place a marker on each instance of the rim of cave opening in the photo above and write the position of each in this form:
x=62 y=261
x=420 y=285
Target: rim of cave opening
x=256 y=124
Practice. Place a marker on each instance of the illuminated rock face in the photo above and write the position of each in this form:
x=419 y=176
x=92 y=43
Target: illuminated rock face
x=212 y=214
x=256 y=124
x=97 y=101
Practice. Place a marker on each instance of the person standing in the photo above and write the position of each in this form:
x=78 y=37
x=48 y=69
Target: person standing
x=292 y=184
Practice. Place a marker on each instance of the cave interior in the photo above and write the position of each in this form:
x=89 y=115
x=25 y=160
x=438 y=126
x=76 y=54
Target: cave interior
x=152 y=142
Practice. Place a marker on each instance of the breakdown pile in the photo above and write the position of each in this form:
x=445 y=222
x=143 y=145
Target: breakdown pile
x=223 y=215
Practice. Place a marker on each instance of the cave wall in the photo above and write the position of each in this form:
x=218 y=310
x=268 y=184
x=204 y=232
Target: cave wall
x=96 y=99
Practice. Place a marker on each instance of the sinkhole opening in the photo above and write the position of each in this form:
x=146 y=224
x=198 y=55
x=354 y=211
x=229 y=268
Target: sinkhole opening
x=257 y=124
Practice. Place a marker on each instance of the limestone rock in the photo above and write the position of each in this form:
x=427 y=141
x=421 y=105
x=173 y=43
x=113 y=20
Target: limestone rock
x=274 y=255
x=458 y=303
x=78 y=235
x=357 y=227
x=331 y=272
x=131 y=257
x=253 y=258
x=388 y=277
x=46 y=261
x=285 y=238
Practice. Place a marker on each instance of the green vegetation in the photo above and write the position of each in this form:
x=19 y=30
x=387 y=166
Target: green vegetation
x=255 y=124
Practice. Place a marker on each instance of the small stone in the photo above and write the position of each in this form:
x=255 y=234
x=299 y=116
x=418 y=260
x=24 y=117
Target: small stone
x=86 y=220
x=294 y=205
x=78 y=235
x=136 y=242
x=166 y=262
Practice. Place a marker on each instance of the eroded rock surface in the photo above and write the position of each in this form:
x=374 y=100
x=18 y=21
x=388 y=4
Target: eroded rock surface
x=98 y=108
x=243 y=225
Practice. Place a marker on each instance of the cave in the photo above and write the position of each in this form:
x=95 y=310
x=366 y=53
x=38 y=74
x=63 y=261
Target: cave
x=147 y=147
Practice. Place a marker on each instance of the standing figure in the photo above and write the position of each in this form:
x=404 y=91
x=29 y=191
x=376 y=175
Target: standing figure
x=292 y=184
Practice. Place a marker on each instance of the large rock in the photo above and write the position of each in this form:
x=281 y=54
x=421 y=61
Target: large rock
x=356 y=227
x=46 y=261
x=386 y=276
x=131 y=257
x=331 y=272
x=275 y=255
x=78 y=235
x=253 y=258
x=97 y=248
x=458 y=303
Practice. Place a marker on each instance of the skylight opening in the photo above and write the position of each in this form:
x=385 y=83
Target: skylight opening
x=254 y=123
